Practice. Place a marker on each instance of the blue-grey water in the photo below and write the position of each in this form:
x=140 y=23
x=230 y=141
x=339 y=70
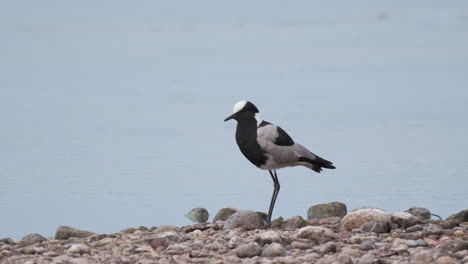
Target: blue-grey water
x=112 y=112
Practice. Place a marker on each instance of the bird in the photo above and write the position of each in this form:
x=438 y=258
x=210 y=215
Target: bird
x=269 y=147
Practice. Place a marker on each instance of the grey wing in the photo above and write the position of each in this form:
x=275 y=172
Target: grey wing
x=280 y=148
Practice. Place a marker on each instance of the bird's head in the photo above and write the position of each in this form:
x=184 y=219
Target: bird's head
x=242 y=109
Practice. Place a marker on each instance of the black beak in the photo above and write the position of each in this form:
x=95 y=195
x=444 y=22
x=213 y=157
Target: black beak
x=230 y=117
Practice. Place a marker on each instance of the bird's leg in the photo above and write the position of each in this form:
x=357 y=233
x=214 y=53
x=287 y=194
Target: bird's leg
x=276 y=189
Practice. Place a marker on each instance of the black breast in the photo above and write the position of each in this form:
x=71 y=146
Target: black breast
x=246 y=137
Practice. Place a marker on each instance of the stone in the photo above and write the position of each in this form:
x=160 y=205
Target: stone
x=224 y=213
x=422 y=257
x=198 y=215
x=460 y=245
x=177 y=249
x=461 y=216
x=160 y=242
x=295 y=223
x=165 y=228
x=357 y=218
x=326 y=210
x=417 y=243
x=327 y=248
x=420 y=212
x=277 y=223
x=367 y=245
x=66 y=232
x=273 y=250
x=7 y=241
x=415 y=228
x=446 y=260
x=301 y=245
x=267 y=237
x=405 y=220
x=318 y=234
x=348 y=255
x=249 y=250
x=129 y=230
x=376 y=227
x=31 y=239
x=459 y=233
x=247 y=220
x=235 y=241
x=78 y=249
x=431 y=229
x=368 y=259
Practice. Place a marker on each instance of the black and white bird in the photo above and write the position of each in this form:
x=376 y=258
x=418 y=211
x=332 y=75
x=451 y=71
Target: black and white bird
x=269 y=147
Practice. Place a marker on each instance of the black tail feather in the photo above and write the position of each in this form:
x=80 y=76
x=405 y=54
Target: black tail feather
x=318 y=163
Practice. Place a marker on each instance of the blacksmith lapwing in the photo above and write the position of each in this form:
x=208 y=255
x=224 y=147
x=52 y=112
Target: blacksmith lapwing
x=269 y=147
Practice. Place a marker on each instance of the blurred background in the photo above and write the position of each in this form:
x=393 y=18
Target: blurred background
x=111 y=112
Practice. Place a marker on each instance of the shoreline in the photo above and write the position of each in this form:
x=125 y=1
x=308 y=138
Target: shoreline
x=330 y=235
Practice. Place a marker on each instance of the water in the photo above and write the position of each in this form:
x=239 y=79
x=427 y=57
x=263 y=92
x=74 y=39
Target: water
x=112 y=113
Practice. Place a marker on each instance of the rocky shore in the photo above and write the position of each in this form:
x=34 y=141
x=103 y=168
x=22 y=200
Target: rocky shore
x=329 y=235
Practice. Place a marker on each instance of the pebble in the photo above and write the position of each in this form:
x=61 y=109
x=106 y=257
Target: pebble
x=32 y=239
x=316 y=233
x=357 y=218
x=246 y=220
x=294 y=223
x=199 y=215
x=300 y=245
x=422 y=257
x=326 y=210
x=446 y=260
x=79 y=249
x=459 y=233
x=66 y=232
x=461 y=216
x=417 y=243
x=267 y=237
x=420 y=212
x=273 y=250
x=327 y=248
x=405 y=220
x=414 y=228
x=367 y=245
x=224 y=213
x=248 y=250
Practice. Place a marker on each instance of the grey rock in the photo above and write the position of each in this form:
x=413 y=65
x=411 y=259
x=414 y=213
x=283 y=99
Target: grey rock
x=235 y=241
x=461 y=216
x=199 y=215
x=460 y=245
x=78 y=249
x=249 y=250
x=422 y=257
x=318 y=234
x=66 y=232
x=347 y=255
x=376 y=227
x=224 y=213
x=277 y=223
x=327 y=248
x=301 y=245
x=295 y=223
x=326 y=210
x=461 y=254
x=415 y=228
x=417 y=243
x=431 y=229
x=357 y=218
x=165 y=228
x=247 y=220
x=160 y=242
x=177 y=249
x=7 y=241
x=420 y=212
x=31 y=239
x=368 y=259
x=367 y=245
x=405 y=220
x=446 y=260
x=267 y=237
x=273 y=250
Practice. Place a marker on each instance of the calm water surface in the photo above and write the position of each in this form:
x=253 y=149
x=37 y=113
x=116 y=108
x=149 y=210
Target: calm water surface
x=112 y=114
